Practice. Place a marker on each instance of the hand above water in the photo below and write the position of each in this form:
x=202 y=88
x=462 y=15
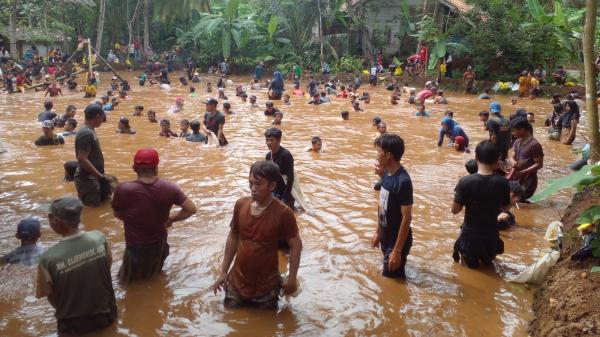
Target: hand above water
x=220 y=284
x=394 y=261
x=290 y=286
x=375 y=241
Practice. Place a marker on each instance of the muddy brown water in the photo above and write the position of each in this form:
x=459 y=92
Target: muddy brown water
x=343 y=292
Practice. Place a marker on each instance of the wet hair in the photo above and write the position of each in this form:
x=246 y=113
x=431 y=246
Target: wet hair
x=139 y=107
x=70 y=168
x=226 y=105
x=323 y=94
x=125 y=121
x=391 y=143
x=92 y=111
x=72 y=122
x=487 y=152
x=345 y=114
x=48 y=104
x=521 y=123
x=165 y=122
x=516 y=188
x=449 y=113
x=195 y=125
x=192 y=89
x=471 y=166
x=151 y=112
x=316 y=139
x=185 y=122
x=493 y=127
x=559 y=108
x=573 y=105
x=530 y=113
x=266 y=169
x=278 y=113
x=71 y=107
x=273 y=133
x=484 y=113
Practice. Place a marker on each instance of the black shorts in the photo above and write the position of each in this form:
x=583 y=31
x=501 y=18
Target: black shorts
x=400 y=272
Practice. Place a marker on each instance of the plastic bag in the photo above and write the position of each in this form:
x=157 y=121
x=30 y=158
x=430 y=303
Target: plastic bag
x=535 y=273
x=553 y=232
x=398 y=71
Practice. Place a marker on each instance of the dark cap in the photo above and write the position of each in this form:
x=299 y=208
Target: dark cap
x=29 y=228
x=211 y=101
x=66 y=208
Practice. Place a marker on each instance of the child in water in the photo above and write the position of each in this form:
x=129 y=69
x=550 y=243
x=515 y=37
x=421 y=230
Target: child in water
x=151 y=116
x=278 y=116
x=165 y=126
x=184 y=126
x=29 y=253
x=138 y=110
x=421 y=111
x=286 y=99
x=227 y=108
x=345 y=115
x=253 y=101
x=317 y=145
x=208 y=87
x=123 y=126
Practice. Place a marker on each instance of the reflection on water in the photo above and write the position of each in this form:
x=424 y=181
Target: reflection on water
x=343 y=293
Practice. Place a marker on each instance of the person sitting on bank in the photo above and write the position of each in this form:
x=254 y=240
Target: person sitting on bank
x=196 y=136
x=28 y=254
x=81 y=291
x=49 y=138
x=259 y=223
x=144 y=205
x=559 y=75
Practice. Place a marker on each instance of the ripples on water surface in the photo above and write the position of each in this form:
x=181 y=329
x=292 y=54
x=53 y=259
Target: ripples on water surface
x=343 y=293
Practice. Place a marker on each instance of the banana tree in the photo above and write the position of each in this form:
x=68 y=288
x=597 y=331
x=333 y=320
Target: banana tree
x=227 y=26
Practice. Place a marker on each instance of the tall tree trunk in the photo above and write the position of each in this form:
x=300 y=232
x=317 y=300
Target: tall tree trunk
x=12 y=23
x=322 y=57
x=589 y=37
x=130 y=23
x=101 y=17
x=146 y=27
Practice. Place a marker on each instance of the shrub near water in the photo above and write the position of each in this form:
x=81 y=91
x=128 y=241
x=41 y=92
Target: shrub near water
x=347 y=64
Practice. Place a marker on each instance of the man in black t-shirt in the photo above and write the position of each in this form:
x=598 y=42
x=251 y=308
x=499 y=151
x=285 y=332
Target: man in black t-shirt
x=283 y=158
x=483 y=195
x=394 y=234
x=214 y=121
x=47 y=114
x=90 y=182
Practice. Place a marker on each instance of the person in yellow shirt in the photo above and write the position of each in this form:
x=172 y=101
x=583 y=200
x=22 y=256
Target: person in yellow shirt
x=90 y=89
x=524 y=84
x=535 y=86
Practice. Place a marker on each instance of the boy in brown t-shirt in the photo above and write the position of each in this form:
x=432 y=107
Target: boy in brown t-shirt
x=259 y=223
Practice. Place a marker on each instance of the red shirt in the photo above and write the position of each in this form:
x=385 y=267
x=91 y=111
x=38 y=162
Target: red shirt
x=145 y=209
x=423 y=54
x=424 y=94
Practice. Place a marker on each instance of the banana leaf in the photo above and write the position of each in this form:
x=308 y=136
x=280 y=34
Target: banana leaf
x=556 y=185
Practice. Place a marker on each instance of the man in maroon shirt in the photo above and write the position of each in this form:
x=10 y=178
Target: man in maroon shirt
x=144 y=206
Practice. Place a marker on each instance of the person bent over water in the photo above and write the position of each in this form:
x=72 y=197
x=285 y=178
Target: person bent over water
x=90 y=181
x=74 y=274
x=394 y=234
x=259 y=222
x=144 y=205
x=483 y=195
x=284 y=159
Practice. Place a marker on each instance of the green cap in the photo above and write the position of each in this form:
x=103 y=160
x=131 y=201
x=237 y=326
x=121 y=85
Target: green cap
x=66 y=208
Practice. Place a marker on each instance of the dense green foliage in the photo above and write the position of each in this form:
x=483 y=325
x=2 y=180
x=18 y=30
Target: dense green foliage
x=498 y=37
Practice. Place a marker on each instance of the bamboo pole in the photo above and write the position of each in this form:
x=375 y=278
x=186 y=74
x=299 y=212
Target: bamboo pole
x=57 y=79
x=108 y=65
x=90 y=58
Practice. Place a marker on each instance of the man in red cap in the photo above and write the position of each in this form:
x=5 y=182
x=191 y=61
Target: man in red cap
x=144 y=206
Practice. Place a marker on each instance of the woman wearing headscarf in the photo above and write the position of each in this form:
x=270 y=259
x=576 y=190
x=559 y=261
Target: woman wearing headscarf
x=276 y=86
x=451 y=129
